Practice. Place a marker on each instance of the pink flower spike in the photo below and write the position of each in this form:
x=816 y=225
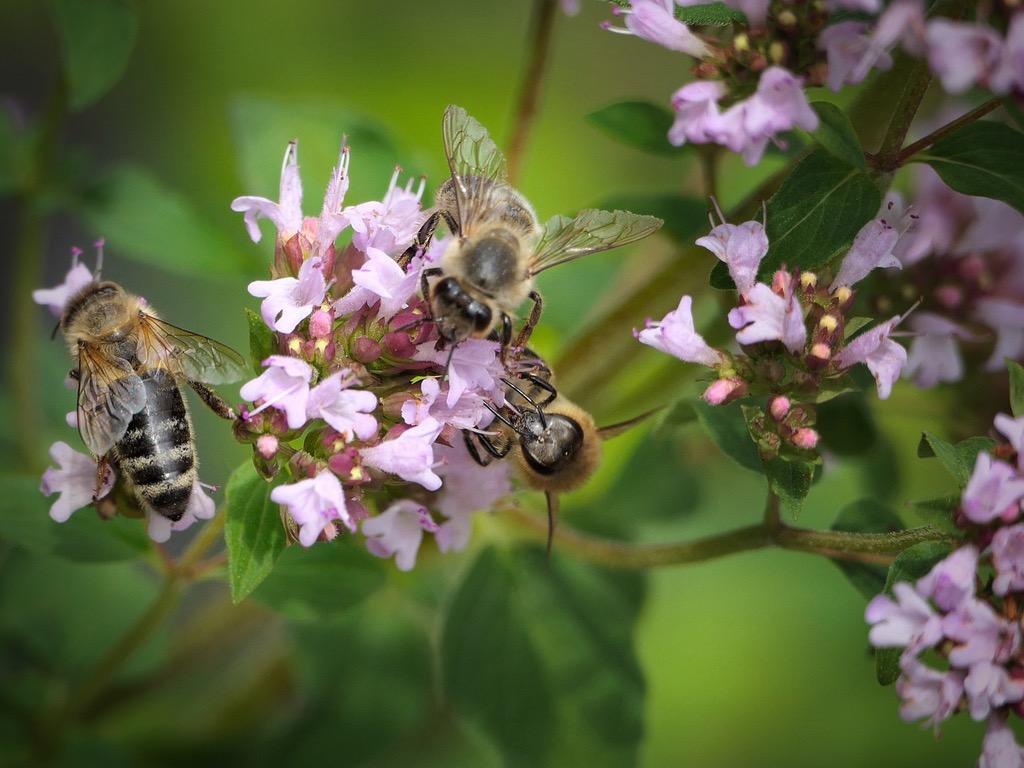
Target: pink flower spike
x=674 y=334
x=474 y=367
x=994 y=486
x=740 y=246
x=410 y=456
x=467 y=488
x=769 y=317
x=883 y=356
x=284 y=385
x=379 y=279
x=1008 y=559
x=961 y=53
x=347 y=410
x=75 y=479
x=285 y=214
x=313 y=504
x=928 y=693
x=989 y=686
x=697 y=112
x=288 y=301
x=951 y=581
x=846 y=45
x=398 y=531
x=908 y=622
x=1000 y=748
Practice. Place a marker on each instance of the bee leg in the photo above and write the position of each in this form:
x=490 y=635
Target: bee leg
x=531 y=321
x=540 y=412
x=505 y=338
x=102 y=468
x=213 y=401
x=493 y=451
x=422 y=240
x=545 y=385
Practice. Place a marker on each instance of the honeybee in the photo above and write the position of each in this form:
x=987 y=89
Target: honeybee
x=129 y=366
x=499 y=244
x=555 y=443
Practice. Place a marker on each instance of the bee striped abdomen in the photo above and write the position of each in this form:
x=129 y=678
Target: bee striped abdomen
x=157 y=451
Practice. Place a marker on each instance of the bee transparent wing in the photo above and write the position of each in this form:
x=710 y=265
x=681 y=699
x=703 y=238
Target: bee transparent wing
x=475 y=162
x=110 y=393
x=593 y=230
x=188 y=354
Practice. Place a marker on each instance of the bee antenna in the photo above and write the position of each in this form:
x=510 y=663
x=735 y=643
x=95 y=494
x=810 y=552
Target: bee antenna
x=56 y=328
x=552 y=522
x=499 y=415
x=530 y=400
x=99 y=256
x=448 y=362
x=412 y=324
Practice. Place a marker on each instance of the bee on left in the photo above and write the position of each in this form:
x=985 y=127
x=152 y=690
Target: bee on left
x=129 y=369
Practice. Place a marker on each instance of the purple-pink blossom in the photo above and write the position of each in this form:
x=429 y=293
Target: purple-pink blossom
x=883 y=356
x=398 y=532
x=908 y=622
x=284 y=385
x=76 y=479
x=314 y=503
x=767 y=316
x=288 y=301
x=741 y=247
x=347 y=410
x=993 y=491
x=410 y=455
x=674 y=334
x=653 y=20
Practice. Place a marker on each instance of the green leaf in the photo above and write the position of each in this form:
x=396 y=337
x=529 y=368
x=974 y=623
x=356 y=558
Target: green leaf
x=1016 y=387
x=983 y=159
x=85 y=537
x=253 y=531
x=710 y=15
x=262 y=340
x=322 y=581
x=910 y=565
x=866 y=516
x=147 y=221
x=638 y=124
x=791 y=481
x=728 y=430
x=938 y=512
x=540 y=660
x=684 y=217
x=835 y=133
x=958 y=459
x=846 y=425
x=96 y=38
x=817 y=212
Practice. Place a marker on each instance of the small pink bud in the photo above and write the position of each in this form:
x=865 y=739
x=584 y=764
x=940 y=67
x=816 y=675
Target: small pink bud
x=399 y=345
x=267 y=446
x=321 y=324
x=366 y=350
x=949 y=296
x=725 y=391
x=805 y=438
x=779 y=407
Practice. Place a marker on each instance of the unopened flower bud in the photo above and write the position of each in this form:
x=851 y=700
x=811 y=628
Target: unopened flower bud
x=725 y=391
x=398 y=344
x=321 y=324
x=366 y=350
x=267 y=446
x=805 y=438
x=741 y=42
x=777 y=52
x=779 y=407
x=808 y=280
x=819 y=355
x=828 y=323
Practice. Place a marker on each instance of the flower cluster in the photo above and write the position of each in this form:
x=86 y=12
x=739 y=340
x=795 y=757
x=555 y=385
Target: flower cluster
x=960 y=625
x=749 y=86
x=792 y=333
x=354 y=374
x=963 y=259
x=81 y=480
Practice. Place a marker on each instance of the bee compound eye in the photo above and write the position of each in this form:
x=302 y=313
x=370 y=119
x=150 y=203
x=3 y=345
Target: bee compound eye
x=481 y=315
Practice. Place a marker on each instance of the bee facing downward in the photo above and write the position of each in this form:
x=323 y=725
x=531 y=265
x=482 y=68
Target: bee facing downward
x=129 y=368
x=555 y=443
x=499 y=244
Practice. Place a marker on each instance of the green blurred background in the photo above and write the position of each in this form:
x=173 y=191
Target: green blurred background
x=759 y=659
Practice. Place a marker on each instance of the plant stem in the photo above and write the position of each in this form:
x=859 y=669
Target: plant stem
x=530 y=87
x=960 y=122
x=886 y=160
x=175 y=582
x=878 y=548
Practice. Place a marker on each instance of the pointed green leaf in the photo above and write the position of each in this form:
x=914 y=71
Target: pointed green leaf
x=846 y=425
x=715 y=14
x=835 y=133
x=96 y=38
x=145 y=220
x=639 y=124
x=790 y=481
x=982 y=158
x=253 y=531
x=938 y=512
x=817 y=212
x=540 y=660
x=262 y=340
x=728 y=430
x=958 y=459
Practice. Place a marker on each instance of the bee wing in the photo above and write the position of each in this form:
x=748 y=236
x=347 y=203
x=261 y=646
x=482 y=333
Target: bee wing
x=475 y=161
x=593 y=230
x=196 y=357
x=109 y=394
